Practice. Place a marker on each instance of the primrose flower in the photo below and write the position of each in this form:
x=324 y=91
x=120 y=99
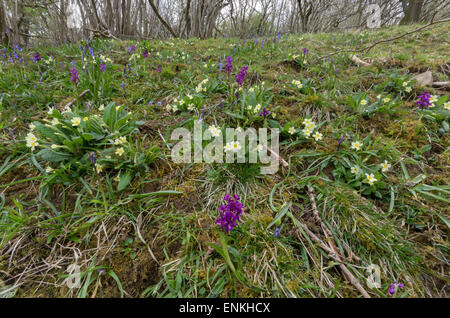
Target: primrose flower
x=363 y=102
x=117 y=178
x=228 y=147
x=356 y=145
x=307 y=121
x=408 y=89
x=98 y=168
x=120 y=141
x=291 y=130
x=385 y=166
x=31 y=141
x=311 y=125
x=215 y=132
x=120 y=151
x=55 y=121
x=370 y=178
x=31 y=126
x=433 y=99
x=235 y=146
x=386 y=99
x=404 y=84
x=232 y=146
x=447 y=105
x=230 y=213
x=76 y=121
x=354 y=170
x=307 y=132
x=49 y=169
x=101 y=108
x=85 y=118
x=318 y=136
x=191 y=107
x=297 y=83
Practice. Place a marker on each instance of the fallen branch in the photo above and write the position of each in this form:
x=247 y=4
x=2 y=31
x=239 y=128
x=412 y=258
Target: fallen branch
x=283 y=162
x=368 y=48
x=77 y=98
x=441 y=84
x=137 y=226
x=358 y=61
x=105 y=33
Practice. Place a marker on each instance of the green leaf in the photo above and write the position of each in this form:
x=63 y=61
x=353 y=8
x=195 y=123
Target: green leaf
x=280 y=214
x=124 y=181
x=53 y=156
x=87 y=137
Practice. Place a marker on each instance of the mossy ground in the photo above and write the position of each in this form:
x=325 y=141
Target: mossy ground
x=159 y=246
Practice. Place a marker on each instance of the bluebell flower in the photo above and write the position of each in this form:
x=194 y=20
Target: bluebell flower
x=277 y=232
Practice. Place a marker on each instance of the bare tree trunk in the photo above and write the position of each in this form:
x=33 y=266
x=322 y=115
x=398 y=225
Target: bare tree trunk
x=3 y=25
x=412 y=10
x=166 y=25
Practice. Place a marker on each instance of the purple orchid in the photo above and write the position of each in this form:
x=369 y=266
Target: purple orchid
x=230 y=213
x=243 y=72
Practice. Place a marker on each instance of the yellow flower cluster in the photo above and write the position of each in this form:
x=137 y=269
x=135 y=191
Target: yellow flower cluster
x=297 y=83
x=200 y=87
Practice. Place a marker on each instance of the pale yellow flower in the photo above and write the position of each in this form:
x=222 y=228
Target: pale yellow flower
x=371 y=178
x=385 y=166
x=236 y=146
x=98 y=168
x=76 y=121
x=120 y=151
x=318 y=136
x=356 y=145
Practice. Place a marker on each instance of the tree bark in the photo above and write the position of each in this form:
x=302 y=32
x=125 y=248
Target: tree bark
x=166 y=25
